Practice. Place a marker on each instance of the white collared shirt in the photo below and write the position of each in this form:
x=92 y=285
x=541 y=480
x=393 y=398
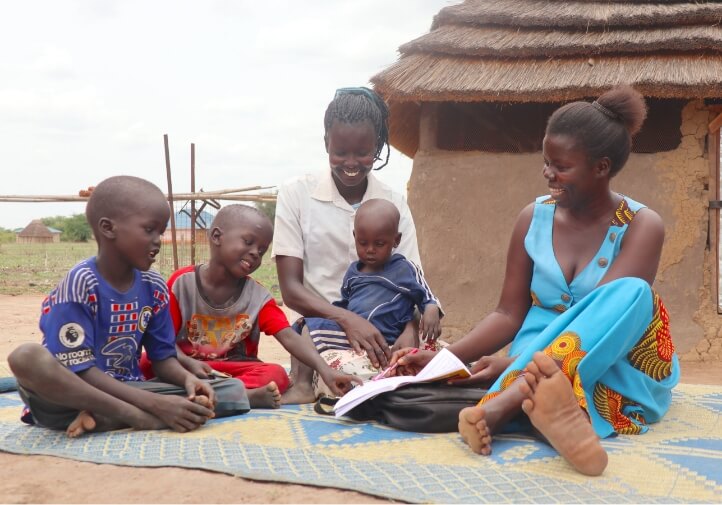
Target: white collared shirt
x=315 y=223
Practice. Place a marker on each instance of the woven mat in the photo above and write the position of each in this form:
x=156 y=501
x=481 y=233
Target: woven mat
x=679 y=460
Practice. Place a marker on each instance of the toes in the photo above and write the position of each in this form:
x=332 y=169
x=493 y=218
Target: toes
x=524 y=387
x=533 y=370
x=528 y=384
x=527 y=406
x=203 y=400
x=546 y=365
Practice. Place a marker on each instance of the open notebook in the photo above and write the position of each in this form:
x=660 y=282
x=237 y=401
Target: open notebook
x=444 y=365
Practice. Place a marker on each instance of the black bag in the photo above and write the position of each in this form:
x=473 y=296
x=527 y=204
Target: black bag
x=424 y=408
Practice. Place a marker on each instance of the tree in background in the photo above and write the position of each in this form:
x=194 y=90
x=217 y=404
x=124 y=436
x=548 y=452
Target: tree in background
x=75 y=228
x=6 y=236
x=268 y=208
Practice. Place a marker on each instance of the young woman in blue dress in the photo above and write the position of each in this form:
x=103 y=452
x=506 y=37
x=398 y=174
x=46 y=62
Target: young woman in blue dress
x=591 y=355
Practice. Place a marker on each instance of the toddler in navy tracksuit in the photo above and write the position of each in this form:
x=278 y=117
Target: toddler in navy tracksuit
x=382 y=287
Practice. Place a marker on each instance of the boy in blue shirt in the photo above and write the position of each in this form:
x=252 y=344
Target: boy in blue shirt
x=85 y=375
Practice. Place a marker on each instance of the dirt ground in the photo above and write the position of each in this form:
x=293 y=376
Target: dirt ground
x=43 y=479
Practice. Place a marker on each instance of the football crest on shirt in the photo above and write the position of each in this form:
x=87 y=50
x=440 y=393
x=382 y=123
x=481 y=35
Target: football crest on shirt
x=145 y=314
x=71 y=335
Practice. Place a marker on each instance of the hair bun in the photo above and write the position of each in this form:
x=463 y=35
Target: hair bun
x=627 y=104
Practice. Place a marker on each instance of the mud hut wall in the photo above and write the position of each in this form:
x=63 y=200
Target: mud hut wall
x=37 y=240
x=465 y=205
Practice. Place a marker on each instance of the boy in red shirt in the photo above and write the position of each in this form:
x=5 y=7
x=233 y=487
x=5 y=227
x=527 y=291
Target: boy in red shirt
x=219 y=312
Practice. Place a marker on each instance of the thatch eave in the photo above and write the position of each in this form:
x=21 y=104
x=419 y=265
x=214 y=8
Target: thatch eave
x=434 y=78
x=502 y=42
x=579 y=15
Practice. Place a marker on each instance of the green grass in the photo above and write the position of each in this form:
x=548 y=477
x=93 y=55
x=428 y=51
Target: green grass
x=37 y=268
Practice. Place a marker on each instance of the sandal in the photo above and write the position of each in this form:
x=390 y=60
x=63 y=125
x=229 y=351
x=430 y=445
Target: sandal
x=325 y=405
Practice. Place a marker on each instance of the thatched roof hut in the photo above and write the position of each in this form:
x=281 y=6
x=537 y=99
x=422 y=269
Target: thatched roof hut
x=469 y=101
x=37 y=233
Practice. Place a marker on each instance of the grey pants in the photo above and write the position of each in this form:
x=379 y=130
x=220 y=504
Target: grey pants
x=230 y=395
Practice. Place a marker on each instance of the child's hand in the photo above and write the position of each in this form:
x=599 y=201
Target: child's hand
x=430 y=324
x=406 y=339
x=200 y=369
x=181 y=414
x=339 y=382
x=196 y=367
x=196 y=388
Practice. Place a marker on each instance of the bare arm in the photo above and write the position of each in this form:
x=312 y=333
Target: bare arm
x=361 y=333
x=298 y=297
x=500 y=327
x=641 y=249
x=303 y=349
x=408 y=338
x=197 y=367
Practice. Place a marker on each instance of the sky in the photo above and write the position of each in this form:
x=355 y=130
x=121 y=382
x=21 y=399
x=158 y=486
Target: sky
x=88 y=88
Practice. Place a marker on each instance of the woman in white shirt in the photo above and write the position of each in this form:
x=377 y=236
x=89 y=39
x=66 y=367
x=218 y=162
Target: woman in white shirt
x=313 y=242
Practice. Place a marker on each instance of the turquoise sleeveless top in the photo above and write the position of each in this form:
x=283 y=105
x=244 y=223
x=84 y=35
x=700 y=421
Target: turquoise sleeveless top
x=550 y=293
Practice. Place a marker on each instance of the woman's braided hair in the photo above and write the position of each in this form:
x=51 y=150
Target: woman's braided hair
x=354 y=105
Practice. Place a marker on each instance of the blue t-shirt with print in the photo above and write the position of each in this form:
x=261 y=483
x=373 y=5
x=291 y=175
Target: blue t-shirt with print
x=86 y=322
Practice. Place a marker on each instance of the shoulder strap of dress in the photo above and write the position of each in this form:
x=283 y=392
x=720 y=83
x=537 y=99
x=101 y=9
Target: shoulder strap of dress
x=626 y=210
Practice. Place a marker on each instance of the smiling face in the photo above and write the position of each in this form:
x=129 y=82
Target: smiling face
x=351 y=148
x=570 y=175
x=241 y=243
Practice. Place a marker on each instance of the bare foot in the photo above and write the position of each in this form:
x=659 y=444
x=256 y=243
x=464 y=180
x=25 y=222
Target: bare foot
x=553 y=410
x=87 y=422
x=474 y=430
x=300 y=392
x=84 y=423
x=265 y=397
x=204 y=401
x=477 y=424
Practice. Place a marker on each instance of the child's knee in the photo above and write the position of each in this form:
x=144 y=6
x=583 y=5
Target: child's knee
x=25 y=357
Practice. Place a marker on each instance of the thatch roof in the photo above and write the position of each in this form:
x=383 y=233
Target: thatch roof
x=530 y=50
x=586 y=14
x=36 y=229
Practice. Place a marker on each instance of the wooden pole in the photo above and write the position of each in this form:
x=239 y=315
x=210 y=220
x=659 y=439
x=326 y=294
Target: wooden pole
x=193 y=204
x=170 y=201
x=716 y=123
x=210 y=195
x=713 y=151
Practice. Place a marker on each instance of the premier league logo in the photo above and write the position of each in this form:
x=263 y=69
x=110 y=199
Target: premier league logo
x=72 y=335
x=144 y=319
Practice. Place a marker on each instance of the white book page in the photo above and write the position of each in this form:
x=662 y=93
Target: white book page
x=444 y=365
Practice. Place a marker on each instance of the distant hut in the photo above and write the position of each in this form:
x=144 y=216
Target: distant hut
x=37 y=233
x=469 y=102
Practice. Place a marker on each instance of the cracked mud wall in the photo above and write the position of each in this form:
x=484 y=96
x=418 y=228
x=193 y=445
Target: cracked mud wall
x=465 y=205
